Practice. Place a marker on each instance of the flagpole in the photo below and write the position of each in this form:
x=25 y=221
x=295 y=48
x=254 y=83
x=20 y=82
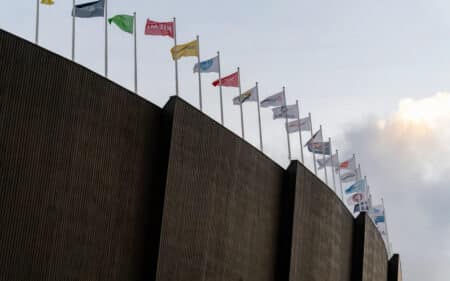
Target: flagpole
x=312 y=134
x=339 y=174
x=135 y=54
x=199 y=75
x=220 y=89
x=73 y=30
x=240 y=103
x=300 y=131
x=106 y=38
x=332 y=166
x=36 y=40
x=386 y=225
x=324 y=161
x=286 y=124
x=176 y=60
x=259 y=119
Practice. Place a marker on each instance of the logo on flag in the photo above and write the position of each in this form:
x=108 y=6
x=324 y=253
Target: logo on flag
x=159 y=28
x=47 y=2
x=274 y=100
x=231 y=80
x=361 y=207
x=329 y=161
x=285 y=111
x=249 y=95
x=356 y=198
x=348 y=164
x=349 y=176
x=359 y=186
x=320 y=147
x=303 y=124
x=211 y=65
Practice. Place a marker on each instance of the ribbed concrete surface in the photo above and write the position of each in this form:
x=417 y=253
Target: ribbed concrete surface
x=98 y=184
x=80 y=172
x=322 y=233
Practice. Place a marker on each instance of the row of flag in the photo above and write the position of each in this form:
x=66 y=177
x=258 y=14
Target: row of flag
x=356 y=195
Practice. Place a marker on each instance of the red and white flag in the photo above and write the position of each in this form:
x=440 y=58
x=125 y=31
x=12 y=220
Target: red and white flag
x=231 y=80
x=348 y=164
x=159 y=28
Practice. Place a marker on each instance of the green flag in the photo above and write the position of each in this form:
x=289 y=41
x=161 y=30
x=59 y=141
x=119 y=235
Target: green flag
x=124 y=22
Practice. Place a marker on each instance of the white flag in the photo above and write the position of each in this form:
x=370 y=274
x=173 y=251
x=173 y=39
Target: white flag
x=357 y=198
x=330 y=161
x=317 y=137
x=249 y=95
x=274 y=100
x=349 y=176
x=303 y=124
x=285 y=111
x=348 y=164
x=211 y=65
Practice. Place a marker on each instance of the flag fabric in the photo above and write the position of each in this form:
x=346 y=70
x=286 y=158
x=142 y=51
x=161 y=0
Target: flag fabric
x=317 y=137
x=303 y=124
x=329 y=161
x=159 y=28
x=189 y=49
x=349 y=176
x=361 y=207
x=348 y=164
x=89 y=10
x=207 y=66
x=323 y=147
x=377 y=214
x=124 y=22
x=274 y=100
x=357 y=198
x=249 y=95
x=358 y=186
x=285 y=111
x=47 y=2
x=231 y=80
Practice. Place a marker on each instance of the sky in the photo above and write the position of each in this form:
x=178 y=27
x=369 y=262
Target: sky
x=374 y=74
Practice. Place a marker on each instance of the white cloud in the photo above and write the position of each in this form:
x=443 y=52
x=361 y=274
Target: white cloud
x=406 y=158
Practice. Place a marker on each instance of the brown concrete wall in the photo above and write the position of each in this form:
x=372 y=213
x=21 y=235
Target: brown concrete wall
x=222 y=211
x=371 y=258
x=81 y=172
x=99 y=184
x=322 y=233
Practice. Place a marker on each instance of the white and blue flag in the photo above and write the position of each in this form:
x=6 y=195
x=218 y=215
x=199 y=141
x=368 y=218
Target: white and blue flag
x=89 y=10
x=208 y=66
x=358 y=186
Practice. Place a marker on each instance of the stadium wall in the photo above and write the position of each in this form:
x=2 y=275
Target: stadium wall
x=97 y=183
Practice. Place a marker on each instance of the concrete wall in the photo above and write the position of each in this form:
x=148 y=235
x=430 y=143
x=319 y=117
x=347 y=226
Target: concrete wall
x=98 y=184
x=322 y=233
x=81 y=172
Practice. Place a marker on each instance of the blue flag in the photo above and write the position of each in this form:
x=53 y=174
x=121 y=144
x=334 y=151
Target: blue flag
x=358 y=186
x=89 y=10
x=379 y=219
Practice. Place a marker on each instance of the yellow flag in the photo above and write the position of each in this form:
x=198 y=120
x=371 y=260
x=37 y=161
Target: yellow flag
x=185 y=50
x=47 y=2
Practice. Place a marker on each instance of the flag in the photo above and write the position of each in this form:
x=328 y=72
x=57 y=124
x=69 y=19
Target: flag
x=348 y=164
x=274 y=100
x=358 y=186
x=89 y=10
x=349 y=176
x=317 y=137
x=303 y=124
x=329 y=161
x=361 y=207
x=320 y=147
x=377 y=214
x=159 y=28
x=379 y=219
x=356 y=198
x=231 y=80
x=249 y=95
x=47 y=2
x=189 y=49
x=285 y=111
x=124 y=22
x=211 y=65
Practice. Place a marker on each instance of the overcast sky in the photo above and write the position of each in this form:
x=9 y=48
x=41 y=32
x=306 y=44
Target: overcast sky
x=373 y=73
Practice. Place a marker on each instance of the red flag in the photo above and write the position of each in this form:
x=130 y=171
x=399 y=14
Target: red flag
x=159 y=28
x=231 y=80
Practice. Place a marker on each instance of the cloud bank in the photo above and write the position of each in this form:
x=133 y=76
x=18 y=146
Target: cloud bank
x=406 y=158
